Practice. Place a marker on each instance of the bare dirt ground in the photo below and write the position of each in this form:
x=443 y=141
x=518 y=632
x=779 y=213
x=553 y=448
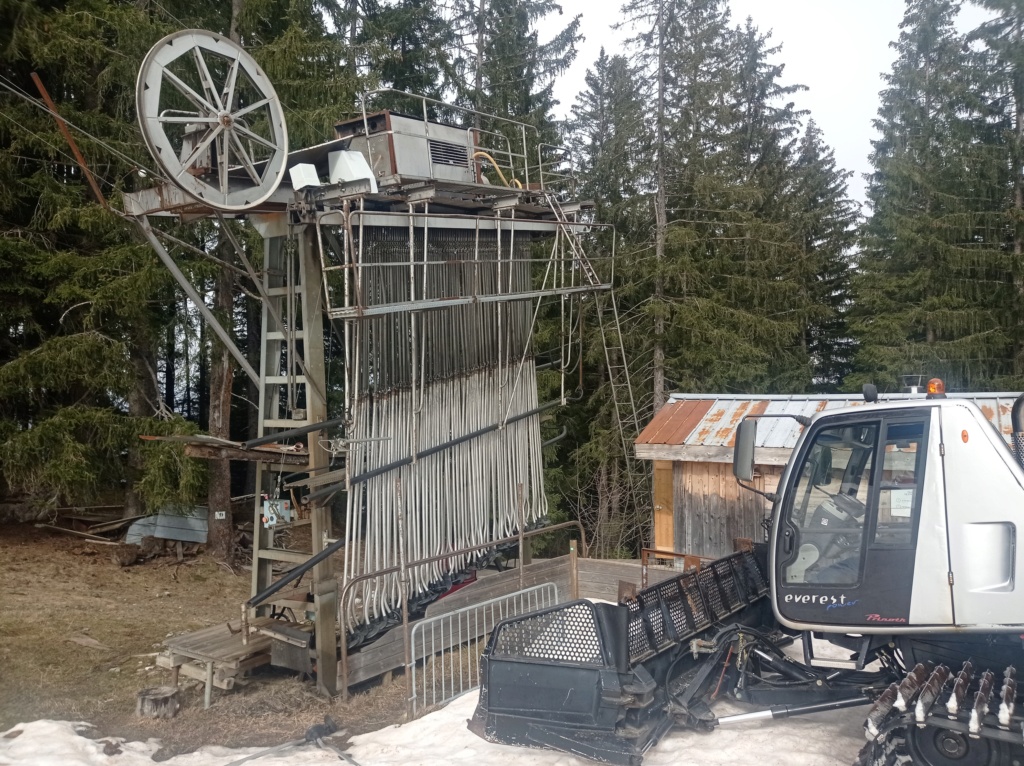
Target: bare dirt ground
x=79 y=637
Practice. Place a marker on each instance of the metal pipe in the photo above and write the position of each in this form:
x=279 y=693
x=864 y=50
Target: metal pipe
x=63 y=127
x=788 y=711
x=556 y=439
x=403 y=580
x=426 y=453
x=522 y=535
x=293 y=432
x=197 y=301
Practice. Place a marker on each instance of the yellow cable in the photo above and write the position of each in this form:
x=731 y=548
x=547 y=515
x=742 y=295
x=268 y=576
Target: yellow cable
x=494 y=164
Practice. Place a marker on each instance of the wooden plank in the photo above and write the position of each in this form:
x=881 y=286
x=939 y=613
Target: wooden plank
x=219 y=644
x=199 y=674
x=212 y=452
x=664 y=526
x=699 y=454
x=600 y=578
x=75 y=533
x=381 y=656
x=111 y=526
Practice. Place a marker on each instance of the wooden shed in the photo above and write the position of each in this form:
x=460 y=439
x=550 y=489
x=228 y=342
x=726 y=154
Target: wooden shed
x=699 y=508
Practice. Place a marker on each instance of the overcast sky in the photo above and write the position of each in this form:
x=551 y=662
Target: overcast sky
x=838 y=48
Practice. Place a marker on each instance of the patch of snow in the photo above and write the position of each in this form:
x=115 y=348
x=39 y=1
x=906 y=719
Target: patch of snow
x=441 y=738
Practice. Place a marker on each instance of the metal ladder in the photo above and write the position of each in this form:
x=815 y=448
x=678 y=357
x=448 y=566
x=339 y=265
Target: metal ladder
x=570 y=237
x=292 y=395
x=627 y=414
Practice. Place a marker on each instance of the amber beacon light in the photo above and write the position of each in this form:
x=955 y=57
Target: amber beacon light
x=936 y=388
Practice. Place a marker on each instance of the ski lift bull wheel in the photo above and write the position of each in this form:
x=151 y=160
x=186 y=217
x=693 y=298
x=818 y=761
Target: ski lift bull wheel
x=212 y=120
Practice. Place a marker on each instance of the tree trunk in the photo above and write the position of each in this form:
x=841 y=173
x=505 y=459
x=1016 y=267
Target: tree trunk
x=1018 y=200
x=203 y=375
x=660 y=225
x=221 y=535
x=170 y=363
x=603 y=511
x=141 y=404
x=236 y=19
x=221 y=525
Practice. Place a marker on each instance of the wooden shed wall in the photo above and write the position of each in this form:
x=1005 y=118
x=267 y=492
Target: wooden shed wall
x=709 y=508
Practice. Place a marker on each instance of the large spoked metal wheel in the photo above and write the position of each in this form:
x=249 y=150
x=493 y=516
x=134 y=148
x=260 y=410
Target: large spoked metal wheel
x=212 y=120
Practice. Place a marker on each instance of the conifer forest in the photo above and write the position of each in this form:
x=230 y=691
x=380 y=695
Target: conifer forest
x=743 y=264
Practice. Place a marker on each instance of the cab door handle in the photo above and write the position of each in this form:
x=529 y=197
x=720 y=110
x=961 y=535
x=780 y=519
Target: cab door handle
x=787 y=542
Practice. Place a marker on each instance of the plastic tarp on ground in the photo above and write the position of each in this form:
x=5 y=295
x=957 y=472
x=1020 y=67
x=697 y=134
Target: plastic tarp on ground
x=190 y=525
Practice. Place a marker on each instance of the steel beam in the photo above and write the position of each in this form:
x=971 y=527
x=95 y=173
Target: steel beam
x=197 y=300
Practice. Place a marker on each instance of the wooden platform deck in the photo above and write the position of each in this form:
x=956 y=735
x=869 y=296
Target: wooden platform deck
x=216 y=655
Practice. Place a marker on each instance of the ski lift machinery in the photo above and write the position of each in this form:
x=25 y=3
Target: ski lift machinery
x=426 y=245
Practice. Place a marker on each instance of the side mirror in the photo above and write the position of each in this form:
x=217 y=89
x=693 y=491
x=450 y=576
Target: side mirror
x=743 y=453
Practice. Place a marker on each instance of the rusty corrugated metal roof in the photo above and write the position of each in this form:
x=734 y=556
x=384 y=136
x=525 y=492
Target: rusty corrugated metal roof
x=674 y=421
x=707 y=420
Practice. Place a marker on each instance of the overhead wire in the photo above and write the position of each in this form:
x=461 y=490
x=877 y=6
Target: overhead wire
x=17 y=91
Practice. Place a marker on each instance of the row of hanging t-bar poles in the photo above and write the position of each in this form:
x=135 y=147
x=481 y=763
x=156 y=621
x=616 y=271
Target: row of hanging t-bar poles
x=459 y=373
x=440 y=385
x=455 y=400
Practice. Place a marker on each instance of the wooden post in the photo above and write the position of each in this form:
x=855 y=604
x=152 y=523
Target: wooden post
x=325 y=603
x=158 y=702
x=208 y=695
x=342 y=650
x=574 y=573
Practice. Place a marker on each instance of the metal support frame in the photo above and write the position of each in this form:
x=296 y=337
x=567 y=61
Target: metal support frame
x=491 y=266
x=292 y=317
x=222 y=335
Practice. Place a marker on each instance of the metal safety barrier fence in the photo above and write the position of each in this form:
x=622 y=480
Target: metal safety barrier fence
x=445 y=658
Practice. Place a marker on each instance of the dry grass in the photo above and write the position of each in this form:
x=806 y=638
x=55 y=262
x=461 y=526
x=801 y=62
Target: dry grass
x=57 y=587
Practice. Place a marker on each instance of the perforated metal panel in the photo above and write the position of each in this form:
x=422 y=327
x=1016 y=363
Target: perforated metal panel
x=708 y=585
x=692 y=603
x=726 y=580
x=568 y=634
x=688 y=584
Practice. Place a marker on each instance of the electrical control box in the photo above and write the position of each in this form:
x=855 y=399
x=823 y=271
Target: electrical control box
x=277 y=512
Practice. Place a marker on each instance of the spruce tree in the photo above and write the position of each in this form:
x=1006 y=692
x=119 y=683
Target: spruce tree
x=611 y=141
x=78 y=373
x=93 y=315
x=1000 y=68
x=932 y=286
x=411 y=45
x=825 y=219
